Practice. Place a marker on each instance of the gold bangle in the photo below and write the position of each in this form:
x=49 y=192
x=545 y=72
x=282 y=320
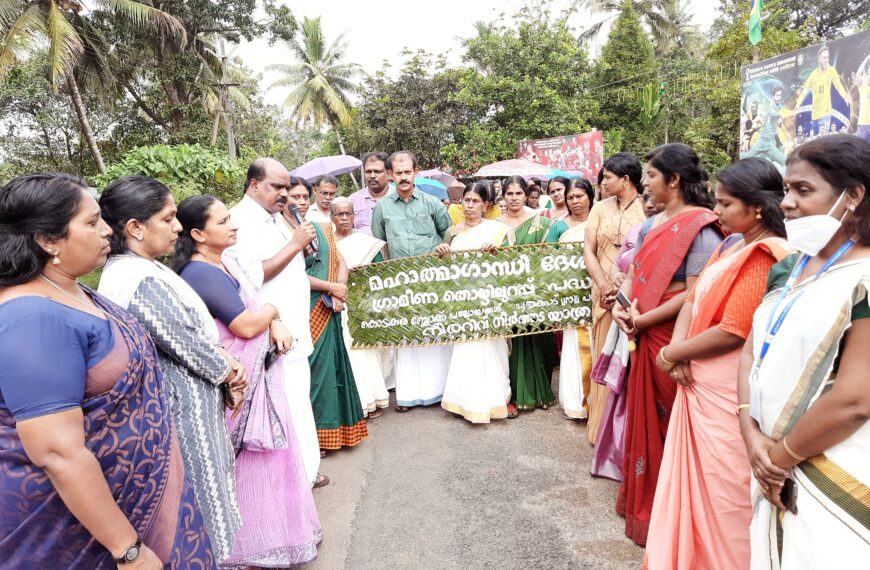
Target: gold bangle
x=741 y=407
x=665 y=358
x=792 y=453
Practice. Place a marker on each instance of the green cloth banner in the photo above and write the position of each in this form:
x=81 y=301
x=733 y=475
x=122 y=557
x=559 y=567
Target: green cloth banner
x=469 y=295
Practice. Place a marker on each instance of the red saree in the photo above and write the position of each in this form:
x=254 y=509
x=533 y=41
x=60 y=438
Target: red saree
x=651 y=392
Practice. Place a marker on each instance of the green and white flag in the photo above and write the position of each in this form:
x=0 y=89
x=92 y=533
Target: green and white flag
x=755 y=7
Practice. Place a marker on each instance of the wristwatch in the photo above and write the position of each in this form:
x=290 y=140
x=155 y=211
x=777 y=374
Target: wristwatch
x=131 y=554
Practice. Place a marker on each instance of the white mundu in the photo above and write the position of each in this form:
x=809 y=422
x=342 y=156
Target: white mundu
x=358 y=249
x=261 y=235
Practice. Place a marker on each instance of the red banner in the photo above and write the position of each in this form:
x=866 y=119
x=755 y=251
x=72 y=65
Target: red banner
x=581 y=154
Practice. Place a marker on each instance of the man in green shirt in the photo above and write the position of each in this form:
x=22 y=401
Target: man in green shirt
x=413 y=223
x=409 y=220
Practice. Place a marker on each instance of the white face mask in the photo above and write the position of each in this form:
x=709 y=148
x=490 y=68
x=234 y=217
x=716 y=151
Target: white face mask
x=811 y=233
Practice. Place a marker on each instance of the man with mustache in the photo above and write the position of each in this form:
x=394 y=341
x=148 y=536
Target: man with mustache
x=377 y=184
x=413 y=223
x=268 y=253
x=324 y=193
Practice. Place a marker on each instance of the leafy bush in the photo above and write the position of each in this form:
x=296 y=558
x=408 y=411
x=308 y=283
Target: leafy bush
x=187 y=169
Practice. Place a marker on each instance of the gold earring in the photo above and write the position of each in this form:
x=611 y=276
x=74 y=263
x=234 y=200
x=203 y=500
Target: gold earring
x=56 y=259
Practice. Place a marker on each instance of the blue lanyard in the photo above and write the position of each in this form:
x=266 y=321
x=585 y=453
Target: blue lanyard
x=773 y=327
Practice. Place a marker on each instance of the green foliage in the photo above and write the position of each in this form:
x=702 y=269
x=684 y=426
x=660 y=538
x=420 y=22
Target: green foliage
x=526 y=84
x=626 y=66
x=415 y=111
x=187 y=170
x=706 y=113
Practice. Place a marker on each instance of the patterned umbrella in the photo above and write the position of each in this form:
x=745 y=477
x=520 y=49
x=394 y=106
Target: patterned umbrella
x=514 y=167
x=332 y=165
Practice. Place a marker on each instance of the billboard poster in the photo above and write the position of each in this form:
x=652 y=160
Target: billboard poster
x=814 y=91
x=581 y=154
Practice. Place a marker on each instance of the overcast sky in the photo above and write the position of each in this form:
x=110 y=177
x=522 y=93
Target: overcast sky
x=379 y=30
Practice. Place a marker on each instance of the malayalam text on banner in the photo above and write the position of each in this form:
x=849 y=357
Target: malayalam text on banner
x=469 y=295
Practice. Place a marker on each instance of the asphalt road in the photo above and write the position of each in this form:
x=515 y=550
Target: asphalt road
x=428 y=490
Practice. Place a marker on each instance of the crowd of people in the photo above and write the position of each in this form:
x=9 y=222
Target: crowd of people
x=177 y=416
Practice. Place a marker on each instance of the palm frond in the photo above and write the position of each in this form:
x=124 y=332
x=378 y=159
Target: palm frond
x=64 y=44
x=10 y=10
x=144 y=16
x=19 y=34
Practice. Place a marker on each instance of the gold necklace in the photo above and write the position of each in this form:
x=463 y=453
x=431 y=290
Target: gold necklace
x=68 y=294
x=121 y=324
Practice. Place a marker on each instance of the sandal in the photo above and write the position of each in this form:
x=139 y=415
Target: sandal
x=513 y=413
x=376 y=414
x=321 y=481
x=402 y=409
x=323 y=453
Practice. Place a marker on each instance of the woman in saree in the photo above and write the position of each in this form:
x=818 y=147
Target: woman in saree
x=558 y=208
x=359 y=248
x=202 y=378
x=478 y=381
x=804 y=391
x=611 y=367
x=609 y=222
x=575 y=362
x=705 y=469
x=280 y=527
x=532 y=357
x=673 y=248
x=338 y=413
x=87 y=483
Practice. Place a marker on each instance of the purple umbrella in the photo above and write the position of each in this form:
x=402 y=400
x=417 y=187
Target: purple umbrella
x=332 y=165
x=439 y=175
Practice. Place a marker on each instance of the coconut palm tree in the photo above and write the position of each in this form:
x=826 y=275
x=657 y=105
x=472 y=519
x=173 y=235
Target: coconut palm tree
x=26 y=25
x=665 y=19
x=321 y=80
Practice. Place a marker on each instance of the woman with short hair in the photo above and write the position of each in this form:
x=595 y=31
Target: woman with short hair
x=202 y=379
x=92 y=475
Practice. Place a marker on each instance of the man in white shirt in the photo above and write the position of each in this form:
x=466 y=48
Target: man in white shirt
x=324 y=193
x=268 y=253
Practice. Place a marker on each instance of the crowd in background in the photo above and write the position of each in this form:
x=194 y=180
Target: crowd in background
x=177 y=416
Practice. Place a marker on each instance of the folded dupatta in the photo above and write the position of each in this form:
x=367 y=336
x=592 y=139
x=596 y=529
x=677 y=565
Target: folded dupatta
x=258 y=426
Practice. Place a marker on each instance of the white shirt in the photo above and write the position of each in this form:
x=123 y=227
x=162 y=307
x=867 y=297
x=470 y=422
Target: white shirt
x=261 y=235
x=315 y=216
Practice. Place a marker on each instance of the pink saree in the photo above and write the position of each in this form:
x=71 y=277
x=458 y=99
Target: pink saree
x=280 y=525
x=702 y=509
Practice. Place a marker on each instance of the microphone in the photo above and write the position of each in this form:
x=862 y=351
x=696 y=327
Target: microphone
x=313 y=245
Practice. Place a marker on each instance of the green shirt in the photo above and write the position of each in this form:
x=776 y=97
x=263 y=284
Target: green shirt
x=410 y=228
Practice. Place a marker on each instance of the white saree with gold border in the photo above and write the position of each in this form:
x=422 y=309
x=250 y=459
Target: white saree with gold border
x=832 y=526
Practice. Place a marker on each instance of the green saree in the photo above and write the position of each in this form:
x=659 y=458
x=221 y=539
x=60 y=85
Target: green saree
x=532 y=357
x=334 y=397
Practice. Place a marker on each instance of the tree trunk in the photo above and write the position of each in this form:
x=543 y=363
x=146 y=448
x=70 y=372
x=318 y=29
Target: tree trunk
x=87 y=133
x=341 y=148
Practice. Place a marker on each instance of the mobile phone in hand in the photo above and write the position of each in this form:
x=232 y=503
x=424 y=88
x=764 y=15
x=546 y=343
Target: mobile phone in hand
x=623 y=301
